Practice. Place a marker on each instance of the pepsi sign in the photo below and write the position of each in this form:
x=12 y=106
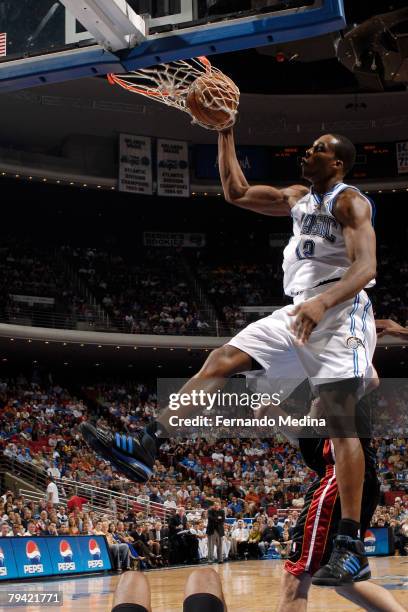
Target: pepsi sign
x=67 y=556
x=377 y=541
x=3 y=567
x=8 y=569
x=22 y=557
x=95 y=553
x=33 y=554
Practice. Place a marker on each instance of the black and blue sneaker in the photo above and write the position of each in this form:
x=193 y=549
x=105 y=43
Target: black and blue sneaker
x=348 y=563
x=133 y=456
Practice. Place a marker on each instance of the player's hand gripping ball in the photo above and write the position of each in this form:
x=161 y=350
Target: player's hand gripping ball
x=213 y=101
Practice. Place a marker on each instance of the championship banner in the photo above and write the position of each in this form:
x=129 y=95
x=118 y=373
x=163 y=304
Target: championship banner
x=135 y=164
x=173 y=171
x=174 y=239
x=402 y=157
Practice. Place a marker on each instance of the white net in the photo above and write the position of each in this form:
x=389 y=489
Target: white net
x=172 y=83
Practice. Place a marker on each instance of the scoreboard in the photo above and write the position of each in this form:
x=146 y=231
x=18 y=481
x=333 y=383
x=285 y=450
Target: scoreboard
x=282 y=164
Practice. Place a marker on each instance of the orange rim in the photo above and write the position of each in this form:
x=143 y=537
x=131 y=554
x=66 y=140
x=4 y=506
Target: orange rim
x=115 y=79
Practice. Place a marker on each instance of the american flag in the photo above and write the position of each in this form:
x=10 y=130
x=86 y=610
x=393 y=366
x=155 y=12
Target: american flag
x=3 y=44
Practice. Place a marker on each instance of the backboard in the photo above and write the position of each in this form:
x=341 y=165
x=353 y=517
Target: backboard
x=42 y=42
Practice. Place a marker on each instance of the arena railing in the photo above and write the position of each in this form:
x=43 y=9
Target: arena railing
x=115 y=502
x=99 y=498
x=82 y=322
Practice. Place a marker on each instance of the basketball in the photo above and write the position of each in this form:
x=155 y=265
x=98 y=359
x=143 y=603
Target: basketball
x=213 y=101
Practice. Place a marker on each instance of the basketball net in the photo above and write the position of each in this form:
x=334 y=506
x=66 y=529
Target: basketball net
x=171 y=83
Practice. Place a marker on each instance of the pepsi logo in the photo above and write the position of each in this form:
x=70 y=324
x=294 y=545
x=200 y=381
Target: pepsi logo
x=95 y=552
x=94 y=549
x=65 y=551
x=33 y=552
x=370 y=541
x=3 y=568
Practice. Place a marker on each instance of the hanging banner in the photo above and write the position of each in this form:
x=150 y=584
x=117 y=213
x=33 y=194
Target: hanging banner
x=173 y=172
x=135 y=164
x=174 y=239
x=402 y=157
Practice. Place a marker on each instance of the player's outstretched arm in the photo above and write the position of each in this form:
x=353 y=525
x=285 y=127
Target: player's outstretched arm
x=259 y=198
x=388 y=327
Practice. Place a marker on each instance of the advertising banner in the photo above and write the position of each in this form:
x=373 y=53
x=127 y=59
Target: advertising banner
x=377 y=541
x=26 y=557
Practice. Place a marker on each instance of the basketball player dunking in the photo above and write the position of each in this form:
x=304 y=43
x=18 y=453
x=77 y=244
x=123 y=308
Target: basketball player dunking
x=328 y=336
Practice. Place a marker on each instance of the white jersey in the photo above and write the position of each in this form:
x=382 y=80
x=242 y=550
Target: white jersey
x=316 y=253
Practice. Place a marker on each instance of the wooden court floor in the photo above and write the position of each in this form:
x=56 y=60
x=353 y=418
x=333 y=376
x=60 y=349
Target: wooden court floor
x=251 y=586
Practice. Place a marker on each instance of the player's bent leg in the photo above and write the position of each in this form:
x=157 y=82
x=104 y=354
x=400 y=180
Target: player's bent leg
x=339 y=399
x=203 y=592
x=370 y=597
x=135 y=456
x=348 y=562
x=132 y=594
x=294 y=592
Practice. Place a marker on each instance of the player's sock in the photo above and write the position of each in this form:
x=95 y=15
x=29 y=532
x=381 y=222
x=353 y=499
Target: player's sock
x=348 y=563
x=348 y=527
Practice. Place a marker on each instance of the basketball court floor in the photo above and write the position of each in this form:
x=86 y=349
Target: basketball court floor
x=251 y=586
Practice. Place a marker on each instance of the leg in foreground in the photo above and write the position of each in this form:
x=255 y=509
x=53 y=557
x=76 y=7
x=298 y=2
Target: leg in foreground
x=132 y=594
x=370 y=597
x=348 y=562
x=294 y=592
x=203 y=592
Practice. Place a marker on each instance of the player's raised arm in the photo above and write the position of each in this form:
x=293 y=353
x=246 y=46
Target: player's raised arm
x=259 y=198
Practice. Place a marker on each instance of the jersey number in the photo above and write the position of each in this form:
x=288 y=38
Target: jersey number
x=306 y=249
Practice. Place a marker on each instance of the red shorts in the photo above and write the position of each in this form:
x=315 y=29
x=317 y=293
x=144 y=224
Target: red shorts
x=319 y=520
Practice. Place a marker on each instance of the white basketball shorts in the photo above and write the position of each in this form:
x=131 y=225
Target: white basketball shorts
x=340 y=347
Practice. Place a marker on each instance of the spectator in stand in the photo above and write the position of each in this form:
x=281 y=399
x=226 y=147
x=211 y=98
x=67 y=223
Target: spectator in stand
x=270 y=536
x=239 y=537
x=215 y=531
x=76 y=502
x=52 y=495
x=5 y=530
x=119 y=552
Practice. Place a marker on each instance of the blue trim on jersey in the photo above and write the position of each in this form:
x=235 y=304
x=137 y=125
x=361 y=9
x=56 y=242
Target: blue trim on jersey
x=365 y=313
x=328 y=193
x=352 y=332
x=299 y=255
x=353 y=312
x=372 y=203
x=373 y=210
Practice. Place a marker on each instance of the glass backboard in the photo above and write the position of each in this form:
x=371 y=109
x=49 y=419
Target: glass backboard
x=42 y=42
x=39 y=27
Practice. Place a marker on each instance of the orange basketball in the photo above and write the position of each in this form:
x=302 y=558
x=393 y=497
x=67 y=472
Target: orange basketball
x=213 y=101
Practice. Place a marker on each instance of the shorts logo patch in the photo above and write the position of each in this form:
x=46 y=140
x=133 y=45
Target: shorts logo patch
x=353 y=342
